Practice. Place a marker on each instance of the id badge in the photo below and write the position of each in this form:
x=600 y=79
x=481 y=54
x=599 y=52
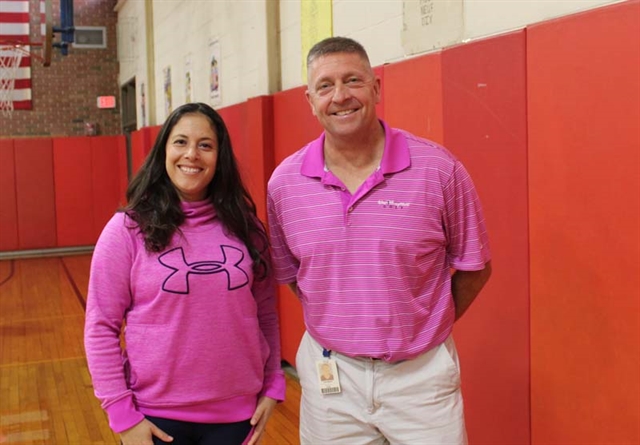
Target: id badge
x=328 y=381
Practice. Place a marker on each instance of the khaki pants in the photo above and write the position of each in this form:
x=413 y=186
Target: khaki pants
x=410 y=402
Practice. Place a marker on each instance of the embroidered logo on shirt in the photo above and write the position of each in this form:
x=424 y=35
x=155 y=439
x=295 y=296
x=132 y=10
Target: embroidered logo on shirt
x=391 y=204
x=178 y=281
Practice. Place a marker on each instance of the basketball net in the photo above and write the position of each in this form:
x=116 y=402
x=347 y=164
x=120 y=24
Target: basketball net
x=10 y=57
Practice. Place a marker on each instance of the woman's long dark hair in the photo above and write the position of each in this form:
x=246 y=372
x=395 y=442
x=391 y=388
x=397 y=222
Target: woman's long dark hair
x=154 y=203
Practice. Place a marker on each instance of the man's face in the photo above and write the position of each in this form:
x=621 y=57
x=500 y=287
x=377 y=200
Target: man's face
x=343 y=92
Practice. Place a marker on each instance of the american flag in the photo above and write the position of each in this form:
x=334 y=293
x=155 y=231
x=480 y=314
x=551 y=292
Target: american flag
x=14 y=28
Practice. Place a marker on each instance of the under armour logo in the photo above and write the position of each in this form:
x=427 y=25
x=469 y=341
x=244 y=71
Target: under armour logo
x=178 y=281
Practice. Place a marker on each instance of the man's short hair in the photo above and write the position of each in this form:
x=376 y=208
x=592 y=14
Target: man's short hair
x=333 y=45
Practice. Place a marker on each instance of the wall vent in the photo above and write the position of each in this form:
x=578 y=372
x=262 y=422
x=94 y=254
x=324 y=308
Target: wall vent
x=90 y=37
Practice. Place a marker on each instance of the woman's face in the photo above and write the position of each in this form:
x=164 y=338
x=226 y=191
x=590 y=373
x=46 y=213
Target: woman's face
x=191 y=156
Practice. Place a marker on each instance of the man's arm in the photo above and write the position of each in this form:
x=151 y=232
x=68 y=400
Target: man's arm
x=294 y=287
x=465 y=287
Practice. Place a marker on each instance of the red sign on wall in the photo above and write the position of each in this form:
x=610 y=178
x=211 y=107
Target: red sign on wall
x=106 y=101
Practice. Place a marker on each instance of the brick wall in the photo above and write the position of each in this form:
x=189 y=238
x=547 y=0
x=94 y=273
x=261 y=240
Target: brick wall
x=64 y=94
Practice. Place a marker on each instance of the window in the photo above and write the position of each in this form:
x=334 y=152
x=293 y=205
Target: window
x=90 y=37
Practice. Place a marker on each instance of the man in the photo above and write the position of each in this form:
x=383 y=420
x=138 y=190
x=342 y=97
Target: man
x=367 y=223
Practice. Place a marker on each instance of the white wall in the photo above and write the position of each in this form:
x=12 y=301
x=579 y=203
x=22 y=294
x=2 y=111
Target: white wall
x=132 y=42
x=184 y=28
x=378 y=25
x=486 y=17
x=290 y=44
x=131 y=39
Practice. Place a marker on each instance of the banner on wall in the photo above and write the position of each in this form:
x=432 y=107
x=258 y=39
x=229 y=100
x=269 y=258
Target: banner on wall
x=315 y=24
x=167 y=90
x=15 y=26
x=188 y=78
x=431 y=24
x=214 y=73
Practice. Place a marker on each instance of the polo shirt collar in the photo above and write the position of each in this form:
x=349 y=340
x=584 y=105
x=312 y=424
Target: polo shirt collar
x=394 y=159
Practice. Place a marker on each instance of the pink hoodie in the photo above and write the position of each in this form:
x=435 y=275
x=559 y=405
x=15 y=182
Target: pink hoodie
x=202 y=339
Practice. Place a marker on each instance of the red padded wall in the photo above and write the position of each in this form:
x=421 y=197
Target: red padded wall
x=294 y=125
x=413 y=96
x=8 y=204
x=109 y=174
x=73 y=191
x=584 y=143
x=235 y=118
x=259 y=150
x=35 y=193
x=250 y=126
x=141 y=144
x=123 y=166
x=484 y=98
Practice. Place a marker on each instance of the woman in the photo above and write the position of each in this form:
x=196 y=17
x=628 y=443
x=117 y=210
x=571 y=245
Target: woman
x=186 y=266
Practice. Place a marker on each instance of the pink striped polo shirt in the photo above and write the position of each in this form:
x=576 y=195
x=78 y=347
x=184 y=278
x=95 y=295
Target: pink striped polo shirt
x=373 y=268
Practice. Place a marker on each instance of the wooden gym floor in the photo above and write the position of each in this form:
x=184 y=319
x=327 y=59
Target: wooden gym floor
x=46 y=396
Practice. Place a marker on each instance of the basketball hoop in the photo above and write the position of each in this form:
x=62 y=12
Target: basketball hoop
x=11 y=54
x=10 y=57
